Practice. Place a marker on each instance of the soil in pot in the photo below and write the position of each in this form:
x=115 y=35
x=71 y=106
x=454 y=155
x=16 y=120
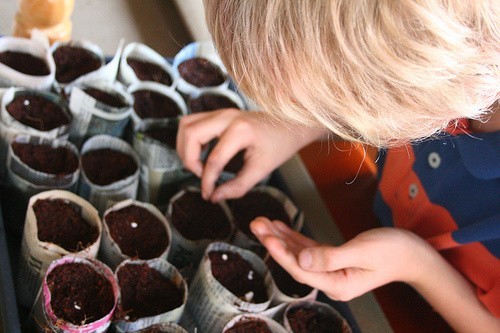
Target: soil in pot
x=285 y=282
x=61 y=222
x=79 y=294
x=73 y=62
x=138 y=232
x=37 y=112
x=250 y=325
x=197 y=219
x=25 y=63
x=105 y=166
x=148 y=71
x=238 y=276
x=210 y=102
x=166 y=135
x=145 y=292
x=201 y=72
x=309 y=319
x=254 y=204
x=113 y=100
x=45 y=158
x=151 y=104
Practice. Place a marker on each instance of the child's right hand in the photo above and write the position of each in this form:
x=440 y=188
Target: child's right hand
x=268 y=144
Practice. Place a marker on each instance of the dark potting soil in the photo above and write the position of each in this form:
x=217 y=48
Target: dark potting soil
x=113 y=100
x=145 y=292
x=138 y=233
x=73 y=62
x=236 y=163
x=148 y=71
x=285 y=282
x=37 y=112
x=166 y=135
x=201 y=72
x=254 y=204
x=210 y=102
x=45 y=158
x=61 y=222
x=79 y=294
x=153 y=329
x=25 y=63
x=250 y=325
x=238 y=276
x=150 y=104
x=105 y=166
x=308 y=319
x=197 y=219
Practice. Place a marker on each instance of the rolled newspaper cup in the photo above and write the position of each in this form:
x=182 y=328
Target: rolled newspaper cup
x=159 y=89
x=185 y=253
x=142 y=52
x=97 y=325
x=111 y=254
x=226 y=93
x=210 y=304
x=37 y=255
x=163 y=328
x=16 y=126
x=103 y=196
x=203 y=49
x=161 y=168
x=271 y=324
x=86 y=45
x=22 y=181
x=93 y=117
x=169 y=272
x=37 y=46
x=323 y=309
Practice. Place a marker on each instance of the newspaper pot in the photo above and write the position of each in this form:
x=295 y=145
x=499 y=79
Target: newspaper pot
x=124 y=180
x=137 y=230
x=159 y=292
x=75 y=275
x=212 y=304
x=36 y=255
x=314 y=316
x=34 y=165
x=252 y=323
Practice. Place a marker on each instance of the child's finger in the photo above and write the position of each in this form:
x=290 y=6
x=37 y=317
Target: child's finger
x=329 y=258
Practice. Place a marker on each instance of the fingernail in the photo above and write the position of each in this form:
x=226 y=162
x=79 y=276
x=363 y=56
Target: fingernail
x=305 y=259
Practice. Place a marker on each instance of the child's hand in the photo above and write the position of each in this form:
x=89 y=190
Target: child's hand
x=370 y=260
x=267 y=143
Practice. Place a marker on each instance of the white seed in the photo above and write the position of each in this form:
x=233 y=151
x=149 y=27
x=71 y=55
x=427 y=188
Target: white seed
x=249 y=296
x=76 y=306
x=26 y=102
x=224 y=257
x=250 y=275
x=133 y=224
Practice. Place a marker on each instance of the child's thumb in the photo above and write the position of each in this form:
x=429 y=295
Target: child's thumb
x=327 y=258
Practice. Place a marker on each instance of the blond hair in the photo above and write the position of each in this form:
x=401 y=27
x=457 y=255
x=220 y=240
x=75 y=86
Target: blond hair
x=374 y=71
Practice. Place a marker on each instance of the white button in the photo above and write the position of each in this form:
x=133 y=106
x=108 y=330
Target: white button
x=412 y=190
x=434 y=160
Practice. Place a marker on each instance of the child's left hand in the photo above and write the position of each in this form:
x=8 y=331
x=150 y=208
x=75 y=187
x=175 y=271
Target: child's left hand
x=372 y=259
